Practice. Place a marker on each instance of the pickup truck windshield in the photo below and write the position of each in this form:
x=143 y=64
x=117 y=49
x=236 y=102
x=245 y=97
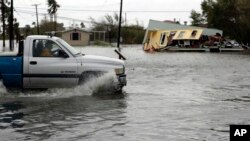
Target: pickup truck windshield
x=68 y=47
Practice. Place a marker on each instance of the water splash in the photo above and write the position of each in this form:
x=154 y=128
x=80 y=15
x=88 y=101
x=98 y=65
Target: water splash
x=97 y=85
x=2 y=89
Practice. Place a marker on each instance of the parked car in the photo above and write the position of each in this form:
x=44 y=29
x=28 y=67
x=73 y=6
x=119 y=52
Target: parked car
x=231 y=44
x=228 y=44
x=234 y=43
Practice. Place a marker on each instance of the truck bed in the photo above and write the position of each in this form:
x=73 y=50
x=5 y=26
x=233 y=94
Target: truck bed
x=9 y=53
x=11 y=68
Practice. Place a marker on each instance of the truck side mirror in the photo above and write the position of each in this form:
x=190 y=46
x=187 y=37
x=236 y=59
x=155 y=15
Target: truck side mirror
x=63 y=54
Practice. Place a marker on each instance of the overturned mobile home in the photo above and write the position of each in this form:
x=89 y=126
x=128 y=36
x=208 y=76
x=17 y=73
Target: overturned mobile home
x=162 y=35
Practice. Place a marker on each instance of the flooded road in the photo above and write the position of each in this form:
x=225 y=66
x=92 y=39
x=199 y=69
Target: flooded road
x=169 y=96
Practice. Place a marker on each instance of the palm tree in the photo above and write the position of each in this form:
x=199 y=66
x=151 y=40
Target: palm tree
x=82 y=25
x=16 y=31
x=27 y=30
x=3 y=20
x=52 y=9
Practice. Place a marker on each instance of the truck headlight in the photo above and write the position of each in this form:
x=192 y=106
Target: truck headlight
x=120 y=70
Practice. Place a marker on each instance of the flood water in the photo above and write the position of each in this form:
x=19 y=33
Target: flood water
x=169 y=96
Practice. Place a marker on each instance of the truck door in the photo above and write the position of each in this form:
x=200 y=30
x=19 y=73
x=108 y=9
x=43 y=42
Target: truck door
x=48 y=68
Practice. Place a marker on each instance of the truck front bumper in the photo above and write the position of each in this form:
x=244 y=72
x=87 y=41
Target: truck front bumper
x=122 y=80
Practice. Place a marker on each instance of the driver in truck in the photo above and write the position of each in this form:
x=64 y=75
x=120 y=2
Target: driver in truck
x=46 y=52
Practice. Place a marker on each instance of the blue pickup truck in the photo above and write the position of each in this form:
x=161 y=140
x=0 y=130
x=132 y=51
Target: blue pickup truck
x=49 y=62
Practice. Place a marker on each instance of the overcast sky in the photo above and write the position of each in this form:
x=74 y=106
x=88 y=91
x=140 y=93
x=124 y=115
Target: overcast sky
x=136 y=10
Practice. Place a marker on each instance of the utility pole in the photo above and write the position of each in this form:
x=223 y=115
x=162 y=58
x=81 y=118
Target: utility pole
x=37 y=24
x=119 y=27
x=11 y=26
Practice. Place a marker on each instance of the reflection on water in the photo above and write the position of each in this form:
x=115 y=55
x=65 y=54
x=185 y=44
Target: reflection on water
x=45 y=117
x=169 y=96
x=10 y=116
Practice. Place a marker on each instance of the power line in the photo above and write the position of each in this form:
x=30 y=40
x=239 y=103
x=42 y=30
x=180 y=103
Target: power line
x=24 y=2
x=94 y=6
x=21 y=15
x=60 y=17
x=66 y=18
x=128 y=11
x=73 y=7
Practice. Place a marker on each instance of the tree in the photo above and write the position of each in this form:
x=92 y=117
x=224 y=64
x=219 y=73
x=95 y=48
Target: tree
x=4 y=14
x=34 y=24
x=16 y=30
x=131 y=34
x=3 y=20
x=207 y=9
x=244 y=15
x=197 y=18
x=27 y=30
x=52 y=9
x=244 y=9
x=47 y=26
x=109 y=24
x=232 y=16
x=82 y=25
